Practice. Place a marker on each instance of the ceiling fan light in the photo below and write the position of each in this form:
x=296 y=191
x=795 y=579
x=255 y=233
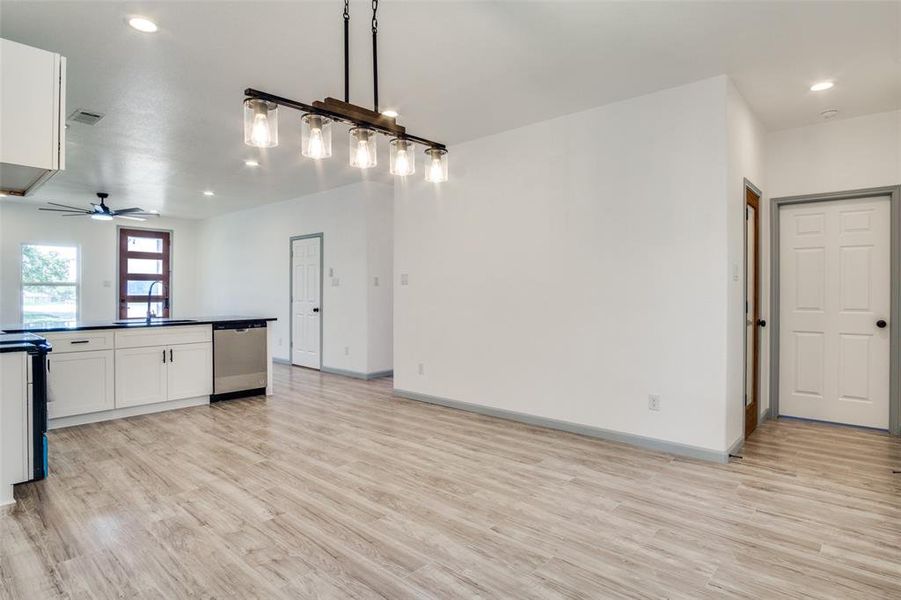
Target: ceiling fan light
x=316 y=136
x=402 y=159
x=362 y=148
x=436 y=165
x=260 y=123
x=102 y=217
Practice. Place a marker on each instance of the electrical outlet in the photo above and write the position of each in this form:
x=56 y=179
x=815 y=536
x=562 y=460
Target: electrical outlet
x=654 y=402
x=421 y=369
x=404 y=279
x=331 y=271
x=280 y=340
x=346 y=350
x=375 y=281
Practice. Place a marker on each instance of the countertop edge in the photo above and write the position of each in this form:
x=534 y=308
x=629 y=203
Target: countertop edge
x=137 y=325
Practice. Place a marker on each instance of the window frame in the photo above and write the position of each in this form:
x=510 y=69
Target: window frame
x=76 y=284
x=123 y=254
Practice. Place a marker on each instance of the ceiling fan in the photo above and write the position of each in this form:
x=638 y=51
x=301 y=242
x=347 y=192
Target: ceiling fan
x=102 y=212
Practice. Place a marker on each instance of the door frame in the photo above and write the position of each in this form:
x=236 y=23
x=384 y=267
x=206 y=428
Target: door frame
x=894 y=194
x=291 y=241
x=757 y=279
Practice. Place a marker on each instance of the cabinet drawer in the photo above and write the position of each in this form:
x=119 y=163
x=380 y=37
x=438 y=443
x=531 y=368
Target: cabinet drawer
x=81 y=341
x=164 y=336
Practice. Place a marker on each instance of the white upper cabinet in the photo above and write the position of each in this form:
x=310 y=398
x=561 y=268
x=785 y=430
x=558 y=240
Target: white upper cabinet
x=32 y=116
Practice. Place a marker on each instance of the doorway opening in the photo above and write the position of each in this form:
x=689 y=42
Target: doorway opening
x=752 y=307
x=836 y=298
x=306 y=300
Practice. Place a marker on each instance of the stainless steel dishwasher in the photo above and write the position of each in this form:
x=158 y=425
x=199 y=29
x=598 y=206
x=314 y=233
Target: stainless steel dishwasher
x=239 y=359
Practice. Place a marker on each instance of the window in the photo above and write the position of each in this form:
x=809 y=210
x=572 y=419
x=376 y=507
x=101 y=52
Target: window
x=49 y=283
x=143 y=262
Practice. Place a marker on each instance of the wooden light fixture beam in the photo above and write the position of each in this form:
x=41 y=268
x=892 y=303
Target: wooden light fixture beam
x=346 y=112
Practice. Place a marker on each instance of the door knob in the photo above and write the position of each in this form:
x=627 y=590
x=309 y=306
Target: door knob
x=316 y=309
x=761 y=322
x=881 y=323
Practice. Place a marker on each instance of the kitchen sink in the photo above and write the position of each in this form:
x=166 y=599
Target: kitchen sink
x=153 y=321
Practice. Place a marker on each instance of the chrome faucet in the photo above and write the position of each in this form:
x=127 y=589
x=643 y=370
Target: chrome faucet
x=149 y=296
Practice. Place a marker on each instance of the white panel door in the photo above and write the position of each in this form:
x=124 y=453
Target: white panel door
x=834 y=289
x=190 y=371
x=141 y=376
x=79 y=383
x=305 y=301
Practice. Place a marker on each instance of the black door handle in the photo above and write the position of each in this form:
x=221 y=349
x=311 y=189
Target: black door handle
x=761 y=322
x=170 y=356
x=316 y=309
x=881 y=323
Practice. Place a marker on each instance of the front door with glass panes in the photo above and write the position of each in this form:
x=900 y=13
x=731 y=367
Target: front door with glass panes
x=143 y=270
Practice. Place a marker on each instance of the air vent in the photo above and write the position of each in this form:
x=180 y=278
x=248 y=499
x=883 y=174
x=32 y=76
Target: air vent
x=86 y=117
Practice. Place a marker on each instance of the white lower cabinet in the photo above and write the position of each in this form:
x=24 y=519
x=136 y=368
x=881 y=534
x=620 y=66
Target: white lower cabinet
x=161 y=373
x=141 y=376
x=190 y=371
x=79 y=383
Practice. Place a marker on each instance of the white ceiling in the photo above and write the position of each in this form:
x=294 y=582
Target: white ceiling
x=455 y=71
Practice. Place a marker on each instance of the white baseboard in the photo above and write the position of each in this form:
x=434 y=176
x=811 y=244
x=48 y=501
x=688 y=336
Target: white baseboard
x=130 y=411
x=596 y=432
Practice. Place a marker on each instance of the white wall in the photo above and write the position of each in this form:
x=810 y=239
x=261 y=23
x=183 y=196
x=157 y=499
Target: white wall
x=380 y=267
x=835 y=155
x=98 y=243
x=746 y=140
x=572 y=267
x=245 y=266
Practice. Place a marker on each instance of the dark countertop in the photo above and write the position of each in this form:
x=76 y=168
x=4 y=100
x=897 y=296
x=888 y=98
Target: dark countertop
x=22 y=342
x=57 y=326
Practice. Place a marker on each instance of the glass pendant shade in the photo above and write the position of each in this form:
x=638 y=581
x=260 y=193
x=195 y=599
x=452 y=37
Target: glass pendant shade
x=316 y=136
x=362 y=148
x=402 y=158
x=260 y=123
x=436 y=165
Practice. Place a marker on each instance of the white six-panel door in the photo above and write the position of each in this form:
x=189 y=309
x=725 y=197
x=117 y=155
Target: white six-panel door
x=834 y=288
x=305 y=301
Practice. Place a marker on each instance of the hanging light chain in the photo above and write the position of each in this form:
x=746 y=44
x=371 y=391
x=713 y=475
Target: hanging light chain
x=346 y=51
x=375 y=55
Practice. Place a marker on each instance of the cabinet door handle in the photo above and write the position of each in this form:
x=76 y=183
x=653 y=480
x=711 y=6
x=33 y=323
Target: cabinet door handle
x=164 y=356
x=171 y=359
x=80 y=342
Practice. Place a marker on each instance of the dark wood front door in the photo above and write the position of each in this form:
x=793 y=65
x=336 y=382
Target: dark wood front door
x=143 y=260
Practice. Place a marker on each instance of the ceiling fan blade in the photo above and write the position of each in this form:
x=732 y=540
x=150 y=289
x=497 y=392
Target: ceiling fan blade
x=81 y=214
x=67 y=210
x=130 y=218
x=67 y=206
x=127 y=210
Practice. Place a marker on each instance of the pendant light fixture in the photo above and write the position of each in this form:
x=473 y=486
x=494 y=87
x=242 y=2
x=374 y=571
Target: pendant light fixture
x=403 y=157
x=436 y=165
x=261 y=123
x=316 y=136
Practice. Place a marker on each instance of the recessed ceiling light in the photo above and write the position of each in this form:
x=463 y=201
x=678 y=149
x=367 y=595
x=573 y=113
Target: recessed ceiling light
x=143 y=25
x=251 y=163
x=209 y=193
x=828 y=114
x=390 y=113
x=821 y=86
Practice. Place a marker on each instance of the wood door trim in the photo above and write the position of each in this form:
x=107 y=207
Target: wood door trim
x=752 y=409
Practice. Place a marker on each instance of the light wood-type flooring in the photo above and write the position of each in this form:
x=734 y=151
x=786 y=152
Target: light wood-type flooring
x=335 y=489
